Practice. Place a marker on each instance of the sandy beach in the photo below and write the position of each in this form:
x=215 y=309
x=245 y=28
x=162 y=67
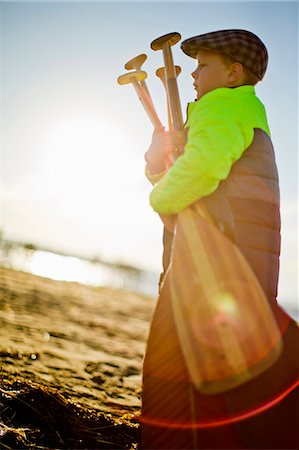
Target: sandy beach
x=71 y=359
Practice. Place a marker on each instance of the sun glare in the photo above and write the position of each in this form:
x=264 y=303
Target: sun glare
x=81 y=156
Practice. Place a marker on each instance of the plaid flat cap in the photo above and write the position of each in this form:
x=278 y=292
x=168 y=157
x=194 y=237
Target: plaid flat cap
x=240 y=45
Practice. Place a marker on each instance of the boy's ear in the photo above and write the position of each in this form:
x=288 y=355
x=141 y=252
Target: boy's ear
x=235 y=73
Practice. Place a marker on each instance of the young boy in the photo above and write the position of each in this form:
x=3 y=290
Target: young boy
x=222 y=124
x=228 y=165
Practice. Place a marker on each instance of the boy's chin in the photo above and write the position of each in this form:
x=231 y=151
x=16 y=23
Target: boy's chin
x=200 y=93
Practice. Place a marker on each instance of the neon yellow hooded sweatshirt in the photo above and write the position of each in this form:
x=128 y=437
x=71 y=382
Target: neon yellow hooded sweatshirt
x=221 y=127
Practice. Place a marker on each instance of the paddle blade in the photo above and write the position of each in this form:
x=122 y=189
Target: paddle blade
x=225 y=325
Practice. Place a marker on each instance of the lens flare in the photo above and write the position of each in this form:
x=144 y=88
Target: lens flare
x=222 y=421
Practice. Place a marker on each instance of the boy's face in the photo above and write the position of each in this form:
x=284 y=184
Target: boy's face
x=211 y=72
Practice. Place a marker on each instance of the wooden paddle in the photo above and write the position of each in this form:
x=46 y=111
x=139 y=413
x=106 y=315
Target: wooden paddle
x=134 y=78
x=165 y=43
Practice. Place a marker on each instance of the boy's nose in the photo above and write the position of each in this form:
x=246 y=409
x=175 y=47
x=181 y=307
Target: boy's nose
x=194 y=74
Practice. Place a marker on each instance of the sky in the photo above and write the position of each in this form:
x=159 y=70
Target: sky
x=73 y=140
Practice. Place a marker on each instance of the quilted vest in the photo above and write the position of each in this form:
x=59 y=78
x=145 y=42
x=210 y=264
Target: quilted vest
x=245 y=207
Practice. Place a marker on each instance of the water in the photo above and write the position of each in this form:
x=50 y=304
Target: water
x=70 y=268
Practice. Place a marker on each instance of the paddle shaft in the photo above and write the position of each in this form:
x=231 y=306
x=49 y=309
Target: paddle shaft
x=161 y=74
x=147 y=104
x=172 y=88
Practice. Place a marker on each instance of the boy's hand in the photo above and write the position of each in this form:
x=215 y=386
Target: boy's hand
x=163 y=146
